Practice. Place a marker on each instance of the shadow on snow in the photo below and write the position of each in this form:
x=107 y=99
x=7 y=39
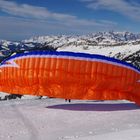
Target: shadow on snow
x=96 y=107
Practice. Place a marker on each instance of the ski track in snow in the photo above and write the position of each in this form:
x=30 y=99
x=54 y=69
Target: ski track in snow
x=55 y=119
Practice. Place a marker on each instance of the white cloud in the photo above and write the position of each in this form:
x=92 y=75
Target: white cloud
x=26 y=10
x=33 y=20
x=130 y=8
x=15 y=28
x=42 y=13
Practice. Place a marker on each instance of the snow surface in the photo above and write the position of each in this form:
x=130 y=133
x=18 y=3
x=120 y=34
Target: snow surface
x=55 y=119
x=111 y=51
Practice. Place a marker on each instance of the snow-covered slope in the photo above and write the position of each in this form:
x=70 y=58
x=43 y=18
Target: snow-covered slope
x=55 y=119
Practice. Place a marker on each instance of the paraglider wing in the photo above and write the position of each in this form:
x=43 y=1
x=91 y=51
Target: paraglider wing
x=70 y=75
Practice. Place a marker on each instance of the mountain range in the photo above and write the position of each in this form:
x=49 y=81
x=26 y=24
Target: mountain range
x=121 y=45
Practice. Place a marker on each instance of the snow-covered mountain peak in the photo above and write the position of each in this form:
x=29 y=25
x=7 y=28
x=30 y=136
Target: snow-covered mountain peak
x=99 y=38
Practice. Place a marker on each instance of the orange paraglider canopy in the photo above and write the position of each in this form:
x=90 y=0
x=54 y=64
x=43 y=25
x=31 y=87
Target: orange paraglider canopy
x=70 y=75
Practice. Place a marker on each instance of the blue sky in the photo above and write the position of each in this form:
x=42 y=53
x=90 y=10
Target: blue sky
x=21 y=19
